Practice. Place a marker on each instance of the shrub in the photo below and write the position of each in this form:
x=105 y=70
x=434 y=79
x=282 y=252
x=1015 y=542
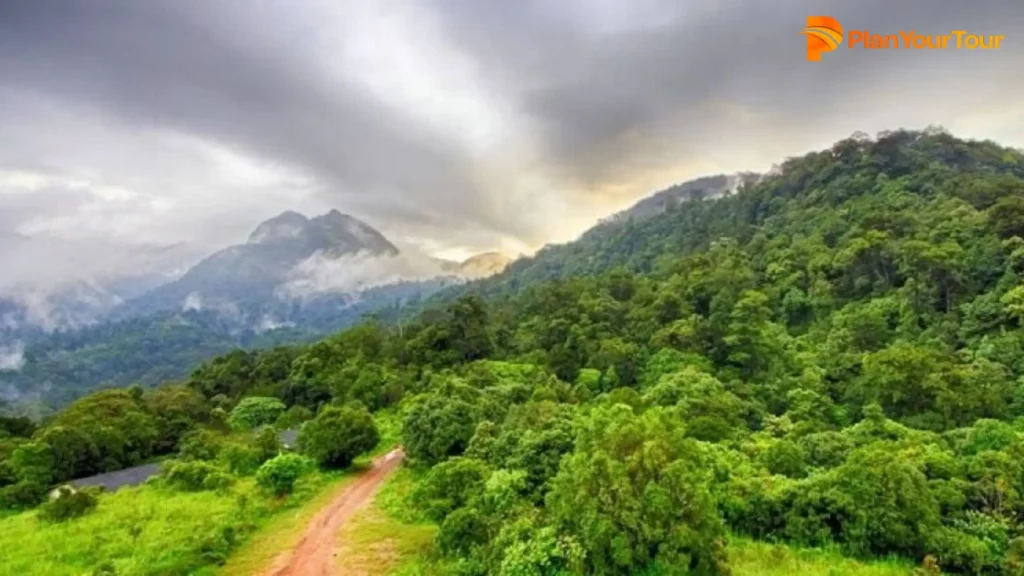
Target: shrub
x=199 y=444
x=255 y=411
x=267 y=444
x=278 y=475
x=294 y=417
x=240 y=458
x=784 y=458
x=218 y=481
x=69 y=503
x=189 y=476
x=24 y=494
x=337 y=435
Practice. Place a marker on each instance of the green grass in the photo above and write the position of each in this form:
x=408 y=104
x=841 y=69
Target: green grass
x=385 y=538
x=389 y=425
x=749 y=558
x=279 y=534
x=147 y=530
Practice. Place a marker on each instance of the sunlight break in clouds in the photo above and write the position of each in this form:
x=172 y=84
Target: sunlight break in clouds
x=459 y=126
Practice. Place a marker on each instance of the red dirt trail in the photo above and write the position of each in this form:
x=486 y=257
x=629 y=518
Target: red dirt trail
x=314 y=554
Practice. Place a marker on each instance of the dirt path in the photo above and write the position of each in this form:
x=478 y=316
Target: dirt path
x=314 y=555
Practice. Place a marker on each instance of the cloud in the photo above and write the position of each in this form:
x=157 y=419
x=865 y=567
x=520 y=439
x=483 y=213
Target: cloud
x=352 y=273
x=12 y=357
x=268 y=324
x=454 y=125
x=192 y=302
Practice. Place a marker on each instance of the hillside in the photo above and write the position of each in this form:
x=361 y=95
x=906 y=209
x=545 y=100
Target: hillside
x=248 y=274
x=829 y=357
x=294 y=280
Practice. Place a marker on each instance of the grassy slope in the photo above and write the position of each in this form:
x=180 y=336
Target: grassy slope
x=149 y=530
x=134 y=528
x=146 y=530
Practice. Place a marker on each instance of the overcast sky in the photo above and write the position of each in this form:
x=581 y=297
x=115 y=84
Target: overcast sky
x=456 y=125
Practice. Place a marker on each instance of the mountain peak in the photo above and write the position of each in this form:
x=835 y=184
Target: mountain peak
x=287 y=224
x=484 y=264
x=347 y=233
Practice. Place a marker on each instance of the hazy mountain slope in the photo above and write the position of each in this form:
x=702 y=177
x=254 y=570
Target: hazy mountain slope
x=633 y=237
x=48 y=283
x=707 y=188
x=249 y=273
x=295 y=279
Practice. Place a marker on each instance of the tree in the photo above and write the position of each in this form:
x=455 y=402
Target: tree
x=337 y=435
x=876 y=503
x=20 y=426
x=117 y=422
x=451 y=485
x=294 y=417
x=267 y=444
x=176 y=409
x=278 y=475
x=253 y=411
x=635 y=495
x=435 y=428
x=75 y=454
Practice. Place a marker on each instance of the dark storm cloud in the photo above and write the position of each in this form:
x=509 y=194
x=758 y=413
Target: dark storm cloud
x=222 y=70
x=597 y=94
x=606 y=92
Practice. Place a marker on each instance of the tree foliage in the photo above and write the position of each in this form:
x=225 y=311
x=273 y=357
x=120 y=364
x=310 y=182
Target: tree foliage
x=337 y=435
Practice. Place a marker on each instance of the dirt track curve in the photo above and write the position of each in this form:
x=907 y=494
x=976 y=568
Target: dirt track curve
x=314 y=555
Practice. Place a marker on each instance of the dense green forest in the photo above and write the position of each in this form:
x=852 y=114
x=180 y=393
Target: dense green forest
x=832 y=356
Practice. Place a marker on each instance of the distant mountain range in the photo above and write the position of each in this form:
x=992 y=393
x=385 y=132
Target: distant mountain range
x=247 y=274
x=294 y=279
x=326 y=260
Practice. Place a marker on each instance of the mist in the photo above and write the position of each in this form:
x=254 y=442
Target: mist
x=320 y=275
x=12 y=357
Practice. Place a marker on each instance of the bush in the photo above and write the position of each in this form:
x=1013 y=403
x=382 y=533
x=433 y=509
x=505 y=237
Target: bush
x=218 y=481
x=294 y=417
x=337 y=435
x=449 y=486
x=278 y=475
x=69 y=503
x=240 y=458
x=267 y=444
x=255 y=411
x=784 y=458
x=199 y=444
x=189 y=476
x=24 y=494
